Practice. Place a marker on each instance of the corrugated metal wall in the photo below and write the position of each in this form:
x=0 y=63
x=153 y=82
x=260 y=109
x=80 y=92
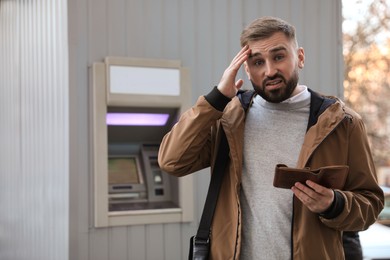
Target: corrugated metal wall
x=33 y=130
x=204 y=35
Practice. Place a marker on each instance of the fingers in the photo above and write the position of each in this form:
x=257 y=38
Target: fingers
x=241 y=57
x=314 y=196
x=316 y=187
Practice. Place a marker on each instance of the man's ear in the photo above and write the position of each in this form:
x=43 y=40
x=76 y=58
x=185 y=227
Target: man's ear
x=301 y=57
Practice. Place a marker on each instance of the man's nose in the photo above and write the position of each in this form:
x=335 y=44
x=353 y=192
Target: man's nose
x=270 y=70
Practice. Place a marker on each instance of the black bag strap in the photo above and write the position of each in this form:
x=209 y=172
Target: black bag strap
x=203 y=234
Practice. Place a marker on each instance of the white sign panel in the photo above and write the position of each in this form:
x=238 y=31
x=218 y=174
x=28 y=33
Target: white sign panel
x=144 y=80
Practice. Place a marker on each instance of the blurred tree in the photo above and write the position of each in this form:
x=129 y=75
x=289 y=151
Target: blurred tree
x=367 y=76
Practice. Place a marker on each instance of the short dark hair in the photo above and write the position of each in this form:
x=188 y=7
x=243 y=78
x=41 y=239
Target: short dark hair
x=265 y=27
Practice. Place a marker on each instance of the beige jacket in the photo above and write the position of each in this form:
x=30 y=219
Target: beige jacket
x=338 y=138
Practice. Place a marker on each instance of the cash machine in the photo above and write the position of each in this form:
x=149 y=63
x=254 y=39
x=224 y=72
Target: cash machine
x=134 y=103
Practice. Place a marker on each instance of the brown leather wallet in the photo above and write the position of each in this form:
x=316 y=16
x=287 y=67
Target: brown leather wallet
x=332 y=177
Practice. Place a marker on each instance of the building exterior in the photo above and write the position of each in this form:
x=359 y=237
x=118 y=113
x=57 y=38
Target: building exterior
x=46 y=50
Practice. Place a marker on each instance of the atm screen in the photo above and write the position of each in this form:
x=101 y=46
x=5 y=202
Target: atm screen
x=124 y=170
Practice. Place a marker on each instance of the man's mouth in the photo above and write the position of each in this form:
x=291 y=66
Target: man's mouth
x=274 y=83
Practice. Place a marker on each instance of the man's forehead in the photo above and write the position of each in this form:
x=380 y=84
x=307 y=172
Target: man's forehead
x=276 y=42
x=263 y=50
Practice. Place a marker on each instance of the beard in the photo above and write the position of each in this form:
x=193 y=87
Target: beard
x=280 y=94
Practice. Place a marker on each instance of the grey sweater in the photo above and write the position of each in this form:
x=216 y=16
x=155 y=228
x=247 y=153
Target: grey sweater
x=274 y=134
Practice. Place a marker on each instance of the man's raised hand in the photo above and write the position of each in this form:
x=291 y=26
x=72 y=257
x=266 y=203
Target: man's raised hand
x=228 y=85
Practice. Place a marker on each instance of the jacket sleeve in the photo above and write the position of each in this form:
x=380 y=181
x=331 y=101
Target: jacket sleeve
x=364 y=199
x=188 y=146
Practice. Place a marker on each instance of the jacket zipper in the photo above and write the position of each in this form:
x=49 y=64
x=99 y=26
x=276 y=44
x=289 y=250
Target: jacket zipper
x=292 y=231
x=238 y=224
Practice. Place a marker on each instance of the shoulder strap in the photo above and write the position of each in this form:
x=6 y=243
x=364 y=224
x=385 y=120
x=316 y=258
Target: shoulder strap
x=318 y=105
x=245 y=97
x=202 y=236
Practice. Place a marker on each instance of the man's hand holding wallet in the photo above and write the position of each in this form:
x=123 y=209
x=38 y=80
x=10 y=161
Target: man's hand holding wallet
x=314 y=188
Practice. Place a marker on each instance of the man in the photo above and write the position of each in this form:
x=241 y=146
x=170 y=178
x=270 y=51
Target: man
x=286 y=123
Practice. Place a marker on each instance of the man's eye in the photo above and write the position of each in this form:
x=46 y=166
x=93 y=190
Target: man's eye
x=279 y=57
x=258 y=62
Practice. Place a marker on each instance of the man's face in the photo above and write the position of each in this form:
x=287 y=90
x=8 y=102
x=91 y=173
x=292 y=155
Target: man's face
x=273 y=67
